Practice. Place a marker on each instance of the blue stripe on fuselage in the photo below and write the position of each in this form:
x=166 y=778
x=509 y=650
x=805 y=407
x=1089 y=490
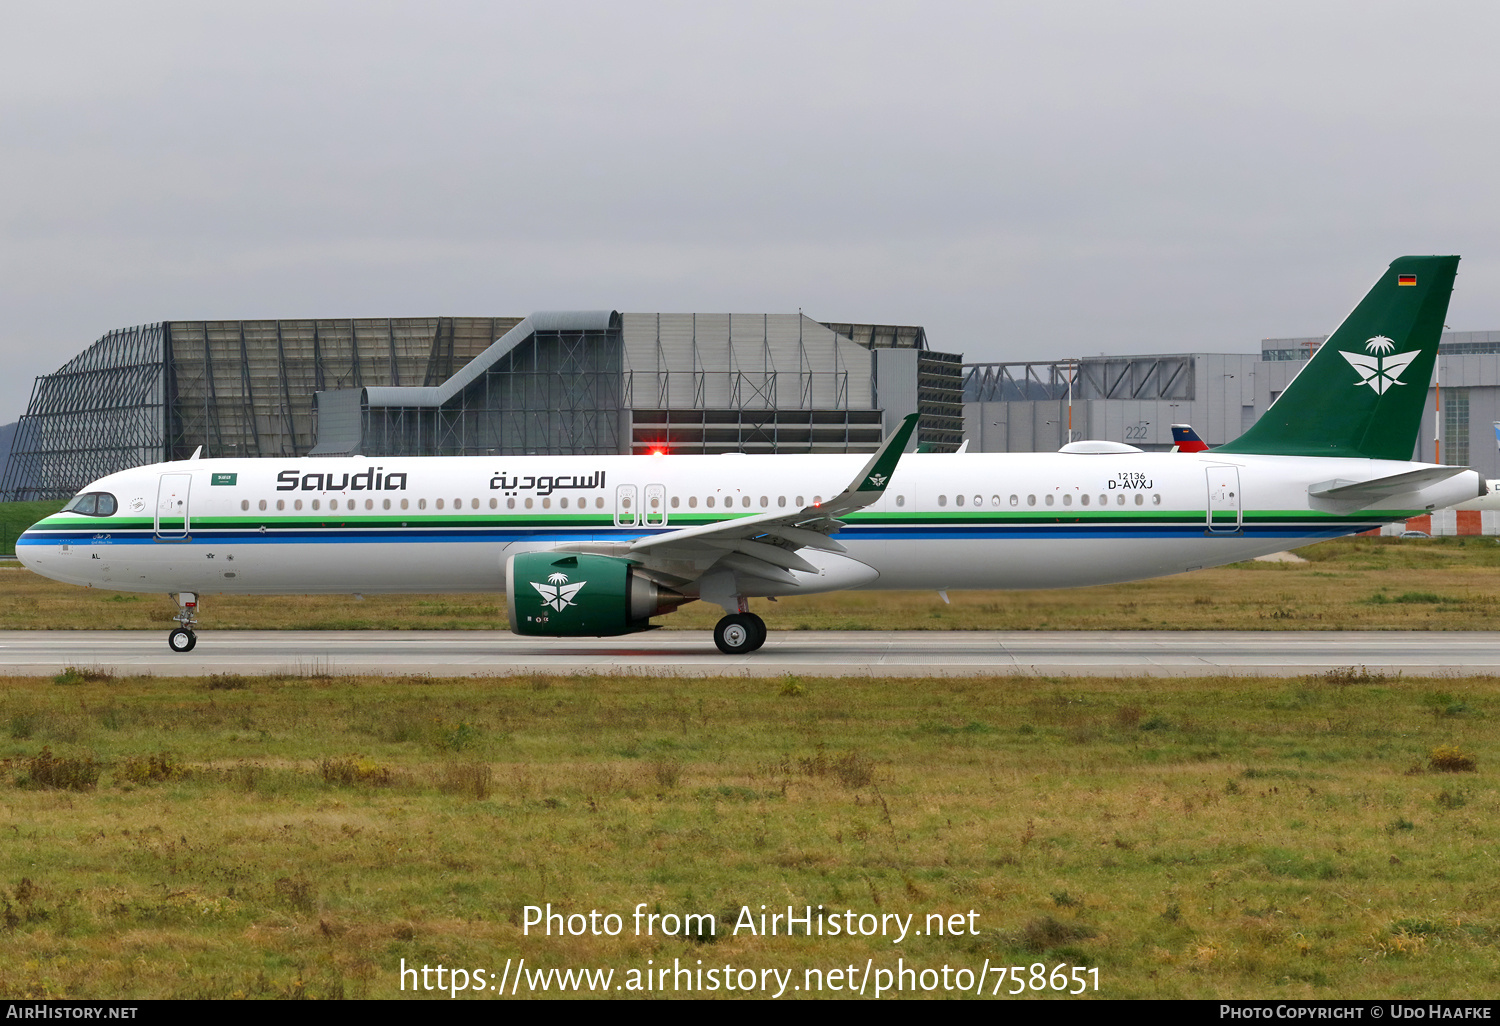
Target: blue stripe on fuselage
x=358 y=535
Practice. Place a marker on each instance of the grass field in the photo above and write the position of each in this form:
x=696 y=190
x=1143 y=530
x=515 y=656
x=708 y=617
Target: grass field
x=16 y=517
x=1211 y=838
x=1354 y=583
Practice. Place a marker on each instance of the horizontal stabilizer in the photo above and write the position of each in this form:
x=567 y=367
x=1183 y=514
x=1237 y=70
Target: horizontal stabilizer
x=1366 y=492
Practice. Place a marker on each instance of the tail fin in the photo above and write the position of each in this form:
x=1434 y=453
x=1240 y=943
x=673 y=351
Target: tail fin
x=1185 y=439
x=1363 y=392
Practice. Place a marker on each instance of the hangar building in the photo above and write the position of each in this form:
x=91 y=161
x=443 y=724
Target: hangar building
x=559 y=382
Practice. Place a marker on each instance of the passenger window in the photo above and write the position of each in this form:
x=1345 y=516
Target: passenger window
x=1015 y=500
x=403 y=503
x=692 y=502
x=297 y=504
x=1140 y=499
x=1120 y=500
x=494 y=503
x=1050 y=499
x=563 y=503
x=262 y=503
x=315 y=504
x=1156 y=500
x=1084 y=499
x=528 y=502
x=385 y=503
x=942 y=500
x=440 y=504
x=245 y=504
x=709 y=502
x=1067 y=500
x=781 y=500
x=900 y=500
x=764 y=501
x=332 y=504
x=745 y=501
x=1031 y=500
x=958 y=500
x=473 y=503
x=369 y=504
x=281 y=504
x=421 y=504
x=547 y=503
x=995 y=501
x=599 y=502
x=510 y=503
x=674 y=502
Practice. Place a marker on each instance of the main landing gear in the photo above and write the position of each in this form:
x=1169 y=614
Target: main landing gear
x=182 y=638
x=740 y=633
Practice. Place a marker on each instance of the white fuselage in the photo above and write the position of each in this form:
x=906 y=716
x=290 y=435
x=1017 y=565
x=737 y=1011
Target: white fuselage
x=945 y=521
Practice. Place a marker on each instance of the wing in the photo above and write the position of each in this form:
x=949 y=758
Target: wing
x=765 y=545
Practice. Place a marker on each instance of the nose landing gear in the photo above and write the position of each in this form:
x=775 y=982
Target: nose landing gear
x=182 y=638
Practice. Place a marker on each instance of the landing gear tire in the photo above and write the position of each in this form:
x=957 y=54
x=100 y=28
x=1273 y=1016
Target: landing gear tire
x=182 y=640
x=739 y=633
x=760 y=631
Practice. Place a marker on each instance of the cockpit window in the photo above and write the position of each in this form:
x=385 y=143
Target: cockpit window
x=93 y=504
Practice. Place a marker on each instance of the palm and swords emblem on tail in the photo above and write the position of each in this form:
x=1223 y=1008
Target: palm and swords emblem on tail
x=1378 y=369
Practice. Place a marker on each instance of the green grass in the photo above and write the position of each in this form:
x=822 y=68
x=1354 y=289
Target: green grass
x=1328 y=837
x=16 y=517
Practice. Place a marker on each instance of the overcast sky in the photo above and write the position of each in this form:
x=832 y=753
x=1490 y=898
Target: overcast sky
x=1026 y=180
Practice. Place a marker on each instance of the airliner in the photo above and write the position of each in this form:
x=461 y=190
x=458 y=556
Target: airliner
x=601 y=545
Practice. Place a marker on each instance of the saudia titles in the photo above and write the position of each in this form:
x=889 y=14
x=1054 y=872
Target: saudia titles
x=371 y=480
x=546 y=484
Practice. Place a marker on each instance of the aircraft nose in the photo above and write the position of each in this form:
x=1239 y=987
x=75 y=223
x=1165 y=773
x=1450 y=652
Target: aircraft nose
x=25 y=550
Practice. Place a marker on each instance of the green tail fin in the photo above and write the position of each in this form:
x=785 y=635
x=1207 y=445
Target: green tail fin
x=1363 y=392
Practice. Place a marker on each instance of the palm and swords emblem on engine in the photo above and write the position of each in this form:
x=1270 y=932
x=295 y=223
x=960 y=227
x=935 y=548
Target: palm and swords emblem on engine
x=558 y=594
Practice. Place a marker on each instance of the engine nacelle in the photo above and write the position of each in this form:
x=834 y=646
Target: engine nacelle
x=572 y=595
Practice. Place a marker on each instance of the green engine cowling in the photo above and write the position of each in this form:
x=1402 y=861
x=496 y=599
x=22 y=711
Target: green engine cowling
x=573 y=595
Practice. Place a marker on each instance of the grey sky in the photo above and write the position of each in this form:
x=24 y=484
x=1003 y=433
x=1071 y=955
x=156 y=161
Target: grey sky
x=1027 y=180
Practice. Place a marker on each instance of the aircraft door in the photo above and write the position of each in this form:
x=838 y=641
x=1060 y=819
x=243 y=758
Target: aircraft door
x=654 y=507
x=1224 y=508
x=625 y=506
x=172 y=518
